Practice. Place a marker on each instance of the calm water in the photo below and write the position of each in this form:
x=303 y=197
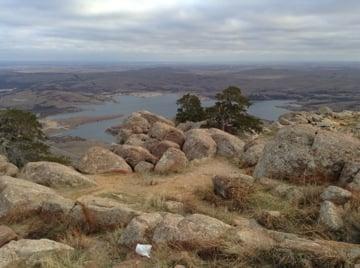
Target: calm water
x=164 y=105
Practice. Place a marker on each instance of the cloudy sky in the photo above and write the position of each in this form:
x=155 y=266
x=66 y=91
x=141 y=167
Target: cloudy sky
x=180 y=30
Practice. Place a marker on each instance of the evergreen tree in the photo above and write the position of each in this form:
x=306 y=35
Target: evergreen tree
x=229 y=112
x=190 y=109
x=22 y=139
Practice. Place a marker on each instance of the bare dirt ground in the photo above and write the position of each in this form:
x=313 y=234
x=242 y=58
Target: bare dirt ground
x=179 y=186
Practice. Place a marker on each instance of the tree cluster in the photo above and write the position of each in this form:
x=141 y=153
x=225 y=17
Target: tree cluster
x=229 y=112
x=22 y=139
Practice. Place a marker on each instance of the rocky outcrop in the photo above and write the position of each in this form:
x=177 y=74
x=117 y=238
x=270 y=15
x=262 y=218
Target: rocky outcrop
x=136 y=123
x=18 y=196
x=54 y=175
x=134 y=154
x=199 y=144
x=31 y=253
x=173 y=160
x=227 y=145
x=7 y=168
x=6 y=235
x=98 y=160
x=163 y=131
x=303 y=152
x=159 y=148
x=167 y=228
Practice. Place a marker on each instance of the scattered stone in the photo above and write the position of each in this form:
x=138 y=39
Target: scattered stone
x=174 y=207
x=159 y=148
x=6 y=235
x=330 y=216
x=7 y=168
x=230 y=187
x=227 y=145
x=133 y=154
x=199 y=144
x=336 y=195
x=18 y=196
x=163 y=131
x=144 y=167
x=31 y=253
x=98 y=160
x=54 y=175
x=173 y=160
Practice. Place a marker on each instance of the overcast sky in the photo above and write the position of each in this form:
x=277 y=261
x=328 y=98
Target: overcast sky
x=180 y=30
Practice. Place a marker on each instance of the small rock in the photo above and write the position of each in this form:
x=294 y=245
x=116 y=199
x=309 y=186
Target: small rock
x=144 y=167
x=6 y=235
x=133 y=154
x=336 y=195
x=159 y=148
x=174 y=207
x=330 y=216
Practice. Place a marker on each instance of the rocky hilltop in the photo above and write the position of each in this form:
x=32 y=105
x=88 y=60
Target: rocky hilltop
x=288 y=197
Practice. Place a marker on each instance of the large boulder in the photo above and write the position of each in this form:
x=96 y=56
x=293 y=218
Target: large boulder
x=252 y=152
x=103 y=213
x=18 y=196
x=98 y=160
x=163 y=131
x=7 y=168
x=159 y=148
x=173 y=160
x=199 y=144
x=303 y=153
x=54 y=175
x=227 y=145
x=134 y=154
x=169 y=228
x=31 y=253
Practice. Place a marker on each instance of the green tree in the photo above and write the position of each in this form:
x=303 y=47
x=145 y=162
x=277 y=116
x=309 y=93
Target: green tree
x=229 y=112
x=190 y=109
x=22 y=139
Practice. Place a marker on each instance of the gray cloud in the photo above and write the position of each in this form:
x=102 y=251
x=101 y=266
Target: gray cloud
x=177 y=30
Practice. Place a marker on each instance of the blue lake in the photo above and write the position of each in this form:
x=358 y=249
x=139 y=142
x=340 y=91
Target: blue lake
x=163 y=104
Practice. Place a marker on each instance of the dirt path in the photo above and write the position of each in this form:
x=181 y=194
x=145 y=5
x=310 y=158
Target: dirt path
x=176 y=185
